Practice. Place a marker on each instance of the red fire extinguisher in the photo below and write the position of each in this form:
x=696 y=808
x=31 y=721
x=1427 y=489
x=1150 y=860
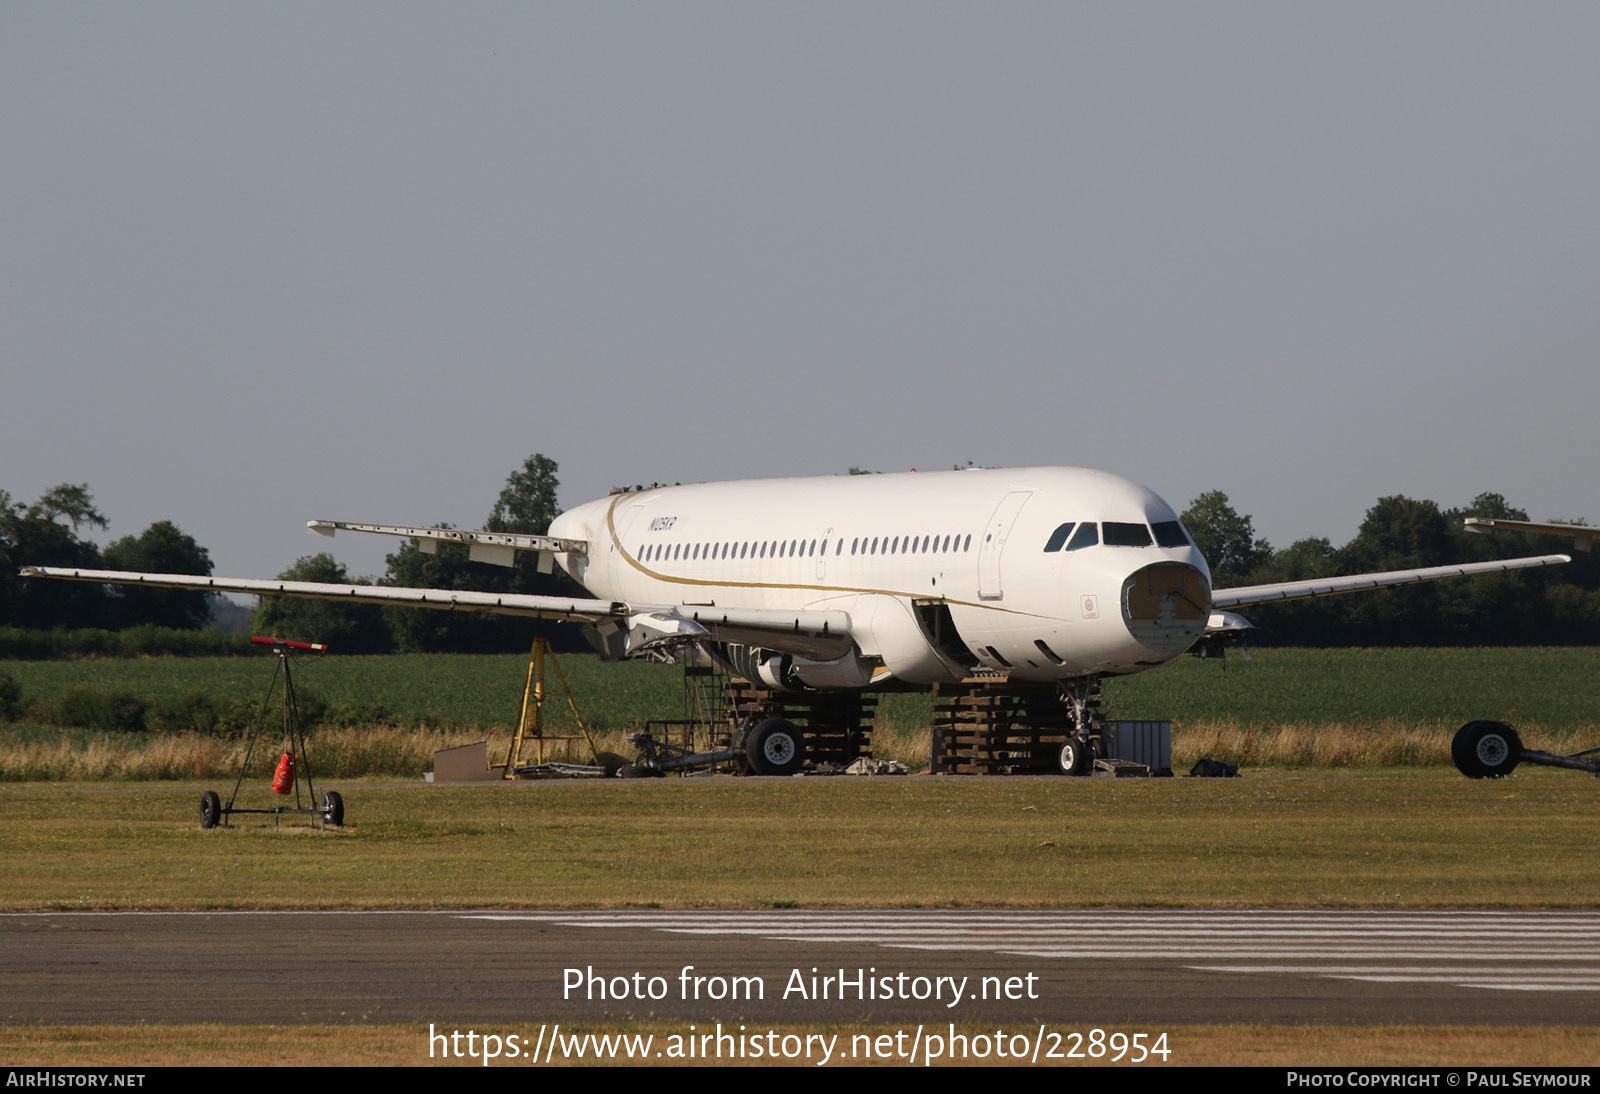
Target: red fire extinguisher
x=283 y=778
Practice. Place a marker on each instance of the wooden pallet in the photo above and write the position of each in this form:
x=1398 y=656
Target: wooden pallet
x=983 y=726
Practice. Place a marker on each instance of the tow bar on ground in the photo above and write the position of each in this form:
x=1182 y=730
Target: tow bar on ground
x=1492 y=750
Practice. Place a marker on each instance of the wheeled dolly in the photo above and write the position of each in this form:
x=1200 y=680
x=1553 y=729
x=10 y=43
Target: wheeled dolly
x=1492 y=750
x=214 y=811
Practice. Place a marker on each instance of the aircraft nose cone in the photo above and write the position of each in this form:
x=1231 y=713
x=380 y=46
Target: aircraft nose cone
x=1166 y=606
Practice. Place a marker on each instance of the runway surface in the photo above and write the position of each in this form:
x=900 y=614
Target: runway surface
x=1069 y=968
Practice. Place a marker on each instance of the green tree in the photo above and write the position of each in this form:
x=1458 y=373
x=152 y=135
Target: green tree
x=1226 y=539
x=527 y=504
x=33 y=535
x=161 y=548
x=347 y=628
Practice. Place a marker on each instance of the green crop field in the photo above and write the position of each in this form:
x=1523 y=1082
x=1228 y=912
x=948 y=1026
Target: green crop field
x=1555 y=689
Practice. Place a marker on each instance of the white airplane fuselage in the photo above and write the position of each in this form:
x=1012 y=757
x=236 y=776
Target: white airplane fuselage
x=911 y=556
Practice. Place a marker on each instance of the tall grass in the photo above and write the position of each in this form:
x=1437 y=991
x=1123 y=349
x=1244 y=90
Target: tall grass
x=46 y=754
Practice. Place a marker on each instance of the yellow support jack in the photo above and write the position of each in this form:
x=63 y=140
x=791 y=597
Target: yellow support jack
x=530 y=719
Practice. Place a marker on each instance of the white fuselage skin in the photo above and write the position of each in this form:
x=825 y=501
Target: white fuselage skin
x=877 y=546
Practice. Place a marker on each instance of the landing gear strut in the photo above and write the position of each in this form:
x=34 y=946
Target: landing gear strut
x=1082 y=697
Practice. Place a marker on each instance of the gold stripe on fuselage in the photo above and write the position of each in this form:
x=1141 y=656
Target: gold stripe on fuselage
x=611 y=529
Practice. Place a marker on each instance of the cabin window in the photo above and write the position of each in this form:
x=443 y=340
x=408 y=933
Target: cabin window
x=967 y=546
x=874 y=545
x=1058 y=538
x=1125 y=534
x=1087 y=535
x=853 y=543
x=1169 y=533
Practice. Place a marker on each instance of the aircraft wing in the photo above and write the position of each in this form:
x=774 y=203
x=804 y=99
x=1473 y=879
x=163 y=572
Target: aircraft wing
x=499 y=548
x=1583 y=535
x=1324 y=586
x=625 y=629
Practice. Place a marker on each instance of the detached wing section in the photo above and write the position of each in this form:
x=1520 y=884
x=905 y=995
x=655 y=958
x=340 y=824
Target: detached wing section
x=624 y=630
x=1583 y=535
x=1325 y=586
x=499 y=548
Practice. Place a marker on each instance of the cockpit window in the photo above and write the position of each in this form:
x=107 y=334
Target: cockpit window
x=1059 y=537
x=1087 y=536
x=1123 y=534
x=1169 y=533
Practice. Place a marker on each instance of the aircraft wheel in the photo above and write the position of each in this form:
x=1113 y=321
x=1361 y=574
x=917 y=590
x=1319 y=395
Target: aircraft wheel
x=1486 y=750
x=1075 y=757
x=210 y=809
x=333 y=808
x=775 y=747
x=611 y=762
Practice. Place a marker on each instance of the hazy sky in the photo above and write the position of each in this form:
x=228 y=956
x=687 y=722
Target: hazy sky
x=267 y=262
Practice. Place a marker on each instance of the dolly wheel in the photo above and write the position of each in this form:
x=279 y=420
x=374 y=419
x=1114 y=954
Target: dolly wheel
x=1486 y=750
x=775 y=747
x=333 y=808
x=210 y=809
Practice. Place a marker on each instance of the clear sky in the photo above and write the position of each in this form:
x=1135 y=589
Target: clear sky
x=267 y=262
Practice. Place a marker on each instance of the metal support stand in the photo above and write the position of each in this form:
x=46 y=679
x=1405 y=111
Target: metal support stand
x=530 y=716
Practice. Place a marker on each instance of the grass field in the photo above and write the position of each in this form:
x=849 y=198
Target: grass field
x=1552 y=689
x=1399 y=838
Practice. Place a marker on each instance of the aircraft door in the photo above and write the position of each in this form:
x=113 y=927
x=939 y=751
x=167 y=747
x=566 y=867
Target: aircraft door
x=625 y=526
x=994 y=543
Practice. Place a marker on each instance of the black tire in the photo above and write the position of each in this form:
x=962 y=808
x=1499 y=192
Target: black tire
x=1075 y=757
x=333 y=807
x=1486 y=750
x=775 y=747
x=210 y=809
x=610 y=762
x=640 y=771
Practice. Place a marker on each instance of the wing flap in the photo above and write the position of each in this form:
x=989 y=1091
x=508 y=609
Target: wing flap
x=1326 y=586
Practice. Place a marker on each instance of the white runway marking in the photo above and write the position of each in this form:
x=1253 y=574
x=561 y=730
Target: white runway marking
x=1503 y=951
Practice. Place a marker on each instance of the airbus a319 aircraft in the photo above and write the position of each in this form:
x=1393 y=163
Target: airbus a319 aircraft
x=1043 y=576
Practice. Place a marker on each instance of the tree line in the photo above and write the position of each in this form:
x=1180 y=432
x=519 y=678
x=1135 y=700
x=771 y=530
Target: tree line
x=1557 y=605
x=50 y=532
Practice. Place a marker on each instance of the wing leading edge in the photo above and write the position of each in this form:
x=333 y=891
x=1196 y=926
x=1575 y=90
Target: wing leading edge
x=1326 y=586
x=625 y=629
